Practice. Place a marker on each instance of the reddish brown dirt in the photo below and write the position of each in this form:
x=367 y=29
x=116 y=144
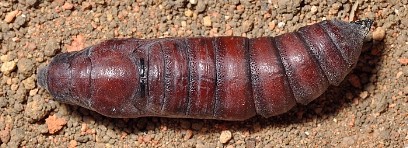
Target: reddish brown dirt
x=369 y=109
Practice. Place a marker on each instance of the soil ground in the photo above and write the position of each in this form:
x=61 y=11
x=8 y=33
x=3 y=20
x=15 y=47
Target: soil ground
x=369 y=108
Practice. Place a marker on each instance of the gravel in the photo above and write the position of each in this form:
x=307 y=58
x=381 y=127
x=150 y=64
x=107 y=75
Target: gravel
x=368 y=109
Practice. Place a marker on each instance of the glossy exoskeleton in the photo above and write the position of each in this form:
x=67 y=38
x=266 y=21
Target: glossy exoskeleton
x=225 y=78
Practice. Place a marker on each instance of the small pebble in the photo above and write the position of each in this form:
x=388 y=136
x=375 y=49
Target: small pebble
x=36 y=110
x=193 y=2
x=272 y=25
x=403 y=61
x=86 y=6
x=55 y=123
x=109 y=17
x=5 y=134
x=189 y=134
x=3 y=102
x=225 y=136
x=4 y=58
x=207 y=21
x=8 y=67
x=67 y=6
x=183 y=23
x=72 y=144
x=281 y=24
x=52 y=47
x=363 y=94
x=10 y=16
x=33 y=92
x=201 y=5
x=147 y=138
x=25 y=66
x=379 y=34
x=43 y=129
x=20 y=21
x=111 y=133
x=313 y=10
x=30 y=2
x=29 y=83
x=188 y=13
x=247 y=26
x=14 y=87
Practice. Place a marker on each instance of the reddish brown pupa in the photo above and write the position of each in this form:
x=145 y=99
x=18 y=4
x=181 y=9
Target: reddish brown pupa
x=225 y=78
